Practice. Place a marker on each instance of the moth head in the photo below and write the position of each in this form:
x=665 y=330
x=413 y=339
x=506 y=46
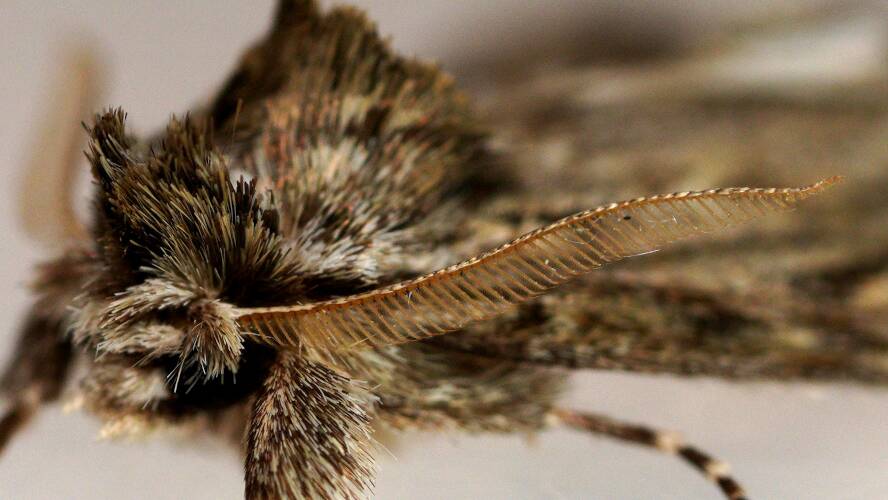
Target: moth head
x=181 y=244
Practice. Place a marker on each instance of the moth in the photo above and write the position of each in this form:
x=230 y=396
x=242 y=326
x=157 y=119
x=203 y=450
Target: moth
x=332 y=246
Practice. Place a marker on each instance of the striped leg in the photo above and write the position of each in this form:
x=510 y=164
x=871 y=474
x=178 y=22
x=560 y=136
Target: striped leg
x=36 y=374
x=715 y=470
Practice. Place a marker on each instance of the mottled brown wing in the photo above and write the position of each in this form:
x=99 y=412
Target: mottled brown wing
x=791 y=297
x=485 y=286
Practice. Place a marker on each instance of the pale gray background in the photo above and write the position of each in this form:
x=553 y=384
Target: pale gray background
x=784 y=440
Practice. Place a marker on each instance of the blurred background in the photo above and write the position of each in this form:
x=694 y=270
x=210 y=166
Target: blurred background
x=788 y=440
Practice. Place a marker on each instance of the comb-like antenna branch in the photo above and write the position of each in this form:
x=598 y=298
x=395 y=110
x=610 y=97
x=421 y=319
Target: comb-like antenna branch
x=486 y=286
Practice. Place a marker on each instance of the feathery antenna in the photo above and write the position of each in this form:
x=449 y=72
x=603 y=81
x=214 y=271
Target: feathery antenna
x=486 y=286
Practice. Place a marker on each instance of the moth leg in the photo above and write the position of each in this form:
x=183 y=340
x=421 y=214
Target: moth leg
x=715 y=470
x=36 y=375
x=46 y=203
x=17 y=415
x=309 y=435
x=38 y=369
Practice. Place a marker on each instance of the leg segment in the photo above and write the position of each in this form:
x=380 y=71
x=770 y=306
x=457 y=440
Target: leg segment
x=36 y=375
x=17 y=415
x=309 y=435
x=713 y=469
